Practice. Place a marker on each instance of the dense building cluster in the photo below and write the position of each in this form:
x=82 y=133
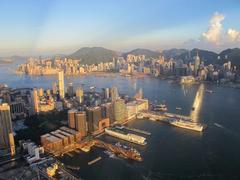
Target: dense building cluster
x=89 y=112
x=137 y=65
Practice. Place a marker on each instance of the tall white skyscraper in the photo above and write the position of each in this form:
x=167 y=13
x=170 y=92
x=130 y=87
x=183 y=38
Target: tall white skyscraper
x=61 y=84
x=196 y=64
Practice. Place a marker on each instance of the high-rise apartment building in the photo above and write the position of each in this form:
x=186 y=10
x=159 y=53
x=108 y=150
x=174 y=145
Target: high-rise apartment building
x=80 y=122
x=93 y=117
x=6 y=132
x=107 y=111
x=119 y=110
x=114 y=94
x=71 y=118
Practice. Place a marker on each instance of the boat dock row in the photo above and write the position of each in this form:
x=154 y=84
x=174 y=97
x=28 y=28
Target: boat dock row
x=137 y=130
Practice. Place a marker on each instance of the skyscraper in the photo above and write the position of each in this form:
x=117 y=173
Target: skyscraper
x=114 y=94
x=93 y=117
x=71 y=118
x=70 y=89
x=54 y=88
x=196 y=64
x=41 y=92
x=80 y=122
x=35 y=100
x=79 y=94
x=107 y=111
x=6 y=133
x=119 y=110
x=106 y=93
x=61 y=84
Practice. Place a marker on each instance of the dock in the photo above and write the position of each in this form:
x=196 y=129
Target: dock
x=112 y=148
x=137 y=130
x=159 y=116
x=152 y=115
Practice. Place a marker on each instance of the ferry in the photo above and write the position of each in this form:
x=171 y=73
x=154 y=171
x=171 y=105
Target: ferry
x=126 y=136
x=186 y=125
x=209 y=91
x=110 y=154
x=73 y=167
x=118 y=144
x=161 y=107
x=94 y=161
x=140 y=116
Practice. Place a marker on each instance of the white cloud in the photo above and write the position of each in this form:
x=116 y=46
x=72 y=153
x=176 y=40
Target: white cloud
x=216 y=37
x=233 y=34
x=213 y=33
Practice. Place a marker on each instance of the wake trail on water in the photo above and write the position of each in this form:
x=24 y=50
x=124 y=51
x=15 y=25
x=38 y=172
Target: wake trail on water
x=227 y=129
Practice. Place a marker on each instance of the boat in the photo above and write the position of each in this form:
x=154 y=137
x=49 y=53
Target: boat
x=126 y=136
x=209 y=91
x=95 y=160
x=186 y=124
x=161 y=107
x=119 y=127
x=73 y=167
x=218 y=125
x=178 y=108
x=110 y=154
x=118 y=144
x=152 y=119
x=140 y=116
x=85 y=149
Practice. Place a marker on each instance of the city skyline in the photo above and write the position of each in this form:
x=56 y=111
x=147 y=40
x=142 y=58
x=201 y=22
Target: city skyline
x=48 y=28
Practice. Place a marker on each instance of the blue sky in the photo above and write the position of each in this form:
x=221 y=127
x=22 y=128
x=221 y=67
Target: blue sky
x=61 y=26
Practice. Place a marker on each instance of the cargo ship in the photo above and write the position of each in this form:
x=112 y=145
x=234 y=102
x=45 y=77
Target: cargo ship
x=126 y=136
x=186 y=125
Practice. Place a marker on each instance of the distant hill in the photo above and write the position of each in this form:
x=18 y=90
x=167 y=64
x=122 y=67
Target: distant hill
x=232 y=55
x=208 y=57
x=173 y=53
x=148 y=53
x=92 y=55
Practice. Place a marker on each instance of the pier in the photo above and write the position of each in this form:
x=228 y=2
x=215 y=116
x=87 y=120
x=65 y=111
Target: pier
x=152 y=115
x=137 y=130
x=158 y=116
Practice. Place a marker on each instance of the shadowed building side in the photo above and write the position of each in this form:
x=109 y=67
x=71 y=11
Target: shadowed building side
x=6 y=132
